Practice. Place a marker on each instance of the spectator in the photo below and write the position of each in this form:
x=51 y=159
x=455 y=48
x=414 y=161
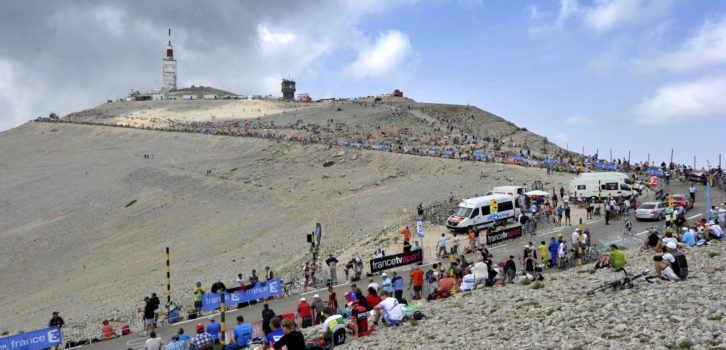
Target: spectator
x=148 y=315
x=417 y=279
x=441 y=246
x=292 y=340
x=333 y=265
x=274 y=336
x=615 y=258
x=318 y=306
x=416 y=246
x=651 y=242
x=333 y=327
x=332 y=298
x=183 y=336
x=218 y=286
x=672 y=265
x=468 y=281
x=406 y=234
x=269 y=275
x=305 y=312
x=480 y=272
x=107 y=331
x=242 y=335
x=387 y=283
x=56 y=322
x=406 y=246
x=253 y=279
x=372 y=299
x=446 y=284
x=373 y=284
x=397 y=282
x=689 y=236
x=198 y=292
x=510 y=269
x=543 y=252
x=267 y=315
x=155 y=300
x=153 y=343
x=390 y=309
x=359 y=319
x=213 y=329
x=175 y=344
x=568 y=222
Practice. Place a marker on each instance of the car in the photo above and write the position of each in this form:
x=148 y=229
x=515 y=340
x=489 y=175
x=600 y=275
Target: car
x=651 y=211
x=680 y=200
x=698 y=177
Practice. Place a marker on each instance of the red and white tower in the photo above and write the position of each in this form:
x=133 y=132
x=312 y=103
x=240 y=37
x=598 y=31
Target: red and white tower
x=169 y=68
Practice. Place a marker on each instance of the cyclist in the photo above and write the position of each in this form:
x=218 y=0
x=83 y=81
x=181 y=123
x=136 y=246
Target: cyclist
x=628 y=228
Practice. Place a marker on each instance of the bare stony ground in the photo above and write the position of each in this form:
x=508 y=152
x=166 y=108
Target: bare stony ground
x=559 y=315
x=85 y=217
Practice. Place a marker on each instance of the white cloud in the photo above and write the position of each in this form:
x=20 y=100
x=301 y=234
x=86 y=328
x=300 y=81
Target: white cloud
x=579 y=120
x=540 y=19
x=705 y=49
x=605 y=62
x=561 y=138
x=607 y=15
x=390 y=55
x=601 y=16
x=268 y=37
x=685 y=101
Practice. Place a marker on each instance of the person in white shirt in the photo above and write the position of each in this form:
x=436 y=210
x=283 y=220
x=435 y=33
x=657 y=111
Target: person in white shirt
x=389 y=309
x=372 y=284
x=153 y=343
x=480 y=271
x=716 y=230
x=467 y=282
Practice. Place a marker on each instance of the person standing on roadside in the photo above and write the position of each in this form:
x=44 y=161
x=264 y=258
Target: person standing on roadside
x=267 y=315
x=56 y=322
x=568 y=222
x=333 y=265
x=692 y=192
x=442 y=246
x=198 y=291
x=397 y=282
x=332 y=298
x=417 y=279
x=406 y=234
x=148 y=315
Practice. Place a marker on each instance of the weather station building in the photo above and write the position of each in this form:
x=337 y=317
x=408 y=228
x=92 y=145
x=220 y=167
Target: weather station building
x=169 y=64
x=288 y=89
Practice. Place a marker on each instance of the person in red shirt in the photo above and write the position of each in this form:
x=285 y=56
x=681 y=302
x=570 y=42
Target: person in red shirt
x=417 y=278
x=305 y=312
x=372 y=298
x=446 y=284
x=406 y=234
x=359 y=319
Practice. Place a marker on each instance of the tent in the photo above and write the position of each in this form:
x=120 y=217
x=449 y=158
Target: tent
x=537 y=193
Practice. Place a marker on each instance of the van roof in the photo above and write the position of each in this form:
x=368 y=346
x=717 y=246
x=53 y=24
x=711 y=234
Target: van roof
x=603 y=174
x=479 y=201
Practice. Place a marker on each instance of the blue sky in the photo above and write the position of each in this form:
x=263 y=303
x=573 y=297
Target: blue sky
x=632 y=75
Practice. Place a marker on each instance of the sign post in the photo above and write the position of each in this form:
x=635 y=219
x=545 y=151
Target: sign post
x=420 y=230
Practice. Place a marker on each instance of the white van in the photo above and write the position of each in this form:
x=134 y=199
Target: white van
x=608 y=186
x=474 y=213
x=512 y=191
x=608 y=175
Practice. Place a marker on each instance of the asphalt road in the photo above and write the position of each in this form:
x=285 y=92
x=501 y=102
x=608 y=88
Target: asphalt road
x=602 y=234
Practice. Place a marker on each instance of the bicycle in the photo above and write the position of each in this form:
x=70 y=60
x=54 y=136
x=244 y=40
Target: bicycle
x=591 y=254
x=623 y=283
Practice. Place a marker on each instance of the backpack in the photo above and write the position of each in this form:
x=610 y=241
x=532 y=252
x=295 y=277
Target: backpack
x=125 y=329
x=430 y=276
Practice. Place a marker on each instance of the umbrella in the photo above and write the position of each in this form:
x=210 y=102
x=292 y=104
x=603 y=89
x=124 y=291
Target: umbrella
x=537 y=193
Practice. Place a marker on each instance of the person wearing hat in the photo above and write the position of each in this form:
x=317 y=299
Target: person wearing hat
x=672 y=265
x=198 y=292
x=358 y=318
x=387 y=284
x=201 y=341
x=241 y=336
x=689 y=236
x=305 y=312
x=318 y=306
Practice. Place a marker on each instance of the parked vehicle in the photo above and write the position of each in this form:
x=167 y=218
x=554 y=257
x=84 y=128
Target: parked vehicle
x=680 y=200
x=609 y=185
x=476 y=213
x=651 y=211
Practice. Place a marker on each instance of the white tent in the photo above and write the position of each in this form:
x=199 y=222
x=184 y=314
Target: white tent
x=537 y=193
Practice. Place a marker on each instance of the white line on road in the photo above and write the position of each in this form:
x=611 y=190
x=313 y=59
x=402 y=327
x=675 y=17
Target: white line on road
x=694 y=216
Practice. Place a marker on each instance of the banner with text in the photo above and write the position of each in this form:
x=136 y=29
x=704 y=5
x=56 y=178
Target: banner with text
x=393 y=261
x=262 y=290
x=34 y=340
x=499 y=236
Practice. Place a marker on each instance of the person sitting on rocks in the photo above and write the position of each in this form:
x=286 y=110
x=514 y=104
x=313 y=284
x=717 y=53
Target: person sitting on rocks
x=390 y=309
x=672 y=265
x=615 y=258
x=467 y=282
x=651 y=241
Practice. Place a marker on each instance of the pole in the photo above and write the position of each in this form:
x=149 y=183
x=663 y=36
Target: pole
x=168 y=280
x=222 y=309
x=647 y=165
x=611 y=156
x=708 y=197
x=694 y=163
x=671 y=158
x=628 y=156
